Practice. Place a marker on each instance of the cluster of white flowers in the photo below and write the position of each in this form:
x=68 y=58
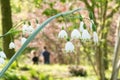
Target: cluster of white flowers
x=25 y=30
x=82 y=34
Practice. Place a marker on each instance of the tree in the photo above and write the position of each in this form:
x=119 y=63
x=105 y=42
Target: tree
x=6 y=26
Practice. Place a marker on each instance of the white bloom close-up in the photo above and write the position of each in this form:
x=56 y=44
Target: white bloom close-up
x=2 y=54
x=1 y=60
x=75 y=34
x=23 y=40
x=11 y=45
x=69 y=47
x=62 y=34
x=95 y=37
x=85 y=35
x=81 y=26
x=24 y=28
x=30 y=30
x=91 y=23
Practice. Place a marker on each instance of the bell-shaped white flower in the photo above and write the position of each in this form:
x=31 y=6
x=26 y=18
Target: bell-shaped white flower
x=11 y=45
x=24 y=28
x=91 y=23
x=62 y=34
x=2 y=60
x=81 y=26
x=75 y=34
x=85 y=35
x=2 y=54
x=30 y=29
x=69 y=47
x=95 y=37
x=23 y=40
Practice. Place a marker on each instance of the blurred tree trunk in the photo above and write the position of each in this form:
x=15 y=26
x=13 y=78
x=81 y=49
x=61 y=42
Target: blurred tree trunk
x=6 y=26
x=116 y=62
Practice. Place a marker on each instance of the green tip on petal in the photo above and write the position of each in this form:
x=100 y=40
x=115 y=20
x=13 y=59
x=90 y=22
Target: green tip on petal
x=91 y=15
x=81 y=18
x=93 y=27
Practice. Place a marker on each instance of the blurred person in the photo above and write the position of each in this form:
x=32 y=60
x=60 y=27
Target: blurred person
x=35 y=58
x=46 y=55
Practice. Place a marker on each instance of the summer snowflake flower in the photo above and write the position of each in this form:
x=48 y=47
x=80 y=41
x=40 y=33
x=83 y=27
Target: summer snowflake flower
x=85 y=35
x=69 y=47
x=95 y=37
x=91 y=23
x=23 y=40
x=30 y=29
x=2 y=54
x=11 y=45
x=24 y=28
x=62 y=34
x=81 y=26
x=1 y=60
x=75 y=34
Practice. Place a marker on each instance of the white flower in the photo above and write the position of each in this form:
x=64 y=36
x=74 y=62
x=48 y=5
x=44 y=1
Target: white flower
x=62 y=34
x=24 y=28
x=95 y=37
x=2 y=54
x=69 y=47
x=11 y=45
x=81 y=26
x=1 y=60
x=91 y=23
x=85 y=35
x=75 y=34
x=27 y=29
x=30 y=30
x=23 y=40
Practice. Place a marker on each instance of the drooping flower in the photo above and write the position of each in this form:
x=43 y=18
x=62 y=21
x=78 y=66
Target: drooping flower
x=62 y=34
x=85 y=35
x=2 y=54
x=11 y=45
x=30 y=30
x=69 y=47
x=95 y=37
x=2 y=60
x=24 y=28
x=23 y=40
x=81 y=26
x=75 y=34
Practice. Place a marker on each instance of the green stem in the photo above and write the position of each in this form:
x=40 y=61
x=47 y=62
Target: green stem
x=31 y=37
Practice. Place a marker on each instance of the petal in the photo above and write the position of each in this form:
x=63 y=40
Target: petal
x=62 y=34
x=75 y=34
x=1 y=60
x=69 y=47
x=2 y=54
x=85 y=35
x=11 y=45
